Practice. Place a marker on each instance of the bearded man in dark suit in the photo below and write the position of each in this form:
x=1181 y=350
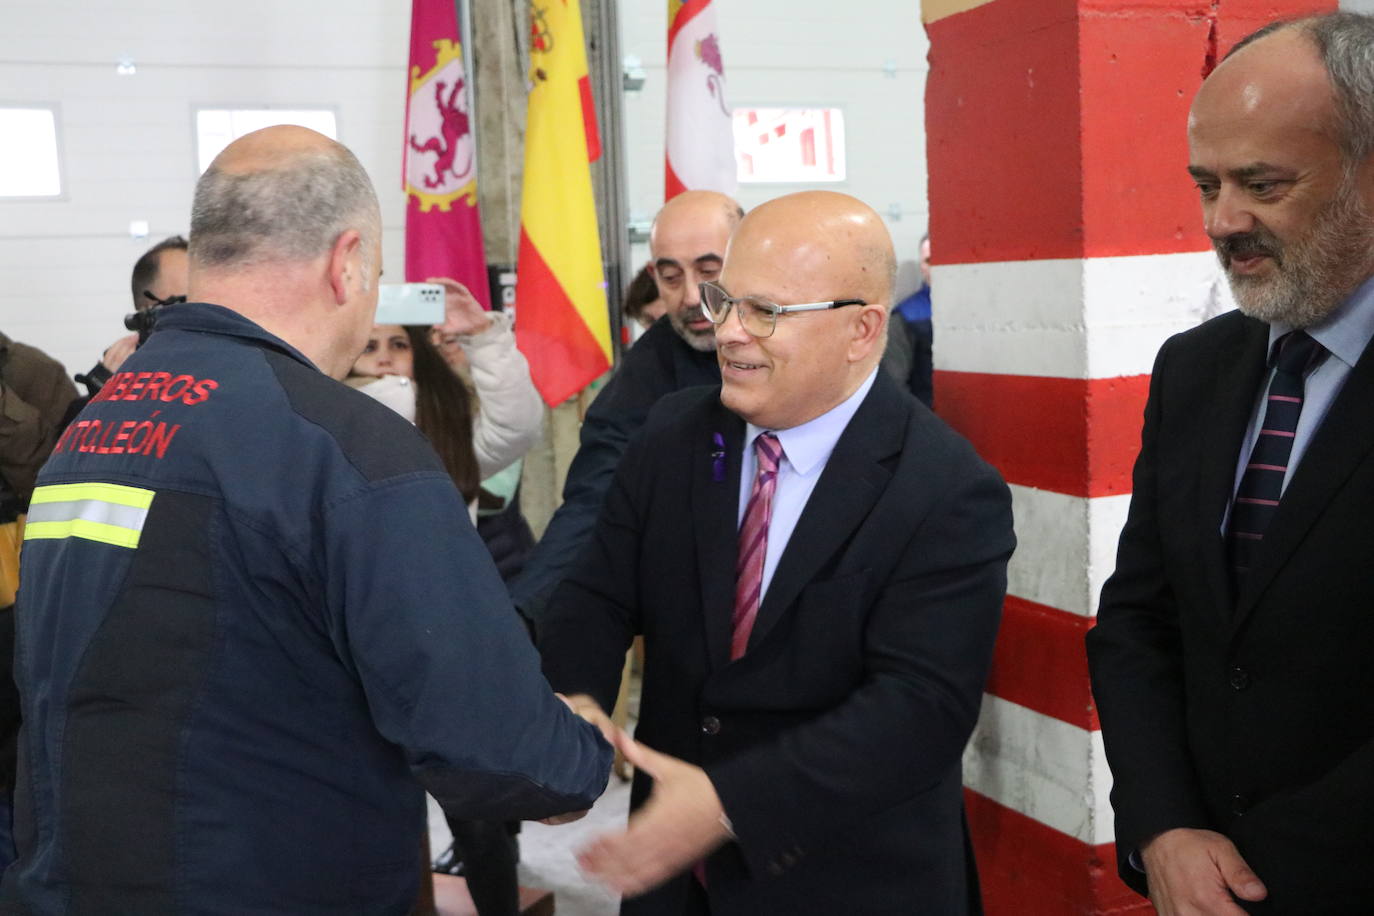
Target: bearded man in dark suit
x=1231 y=660
x=817 y=565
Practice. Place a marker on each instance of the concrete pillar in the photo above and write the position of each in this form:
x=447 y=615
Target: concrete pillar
x=500 y=83
x=1068 y=245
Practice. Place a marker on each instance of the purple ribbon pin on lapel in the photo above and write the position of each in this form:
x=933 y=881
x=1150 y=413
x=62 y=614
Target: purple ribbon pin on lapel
x=718 y=458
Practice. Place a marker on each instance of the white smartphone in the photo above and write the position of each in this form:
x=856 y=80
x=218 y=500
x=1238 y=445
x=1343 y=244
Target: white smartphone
x=410 y=303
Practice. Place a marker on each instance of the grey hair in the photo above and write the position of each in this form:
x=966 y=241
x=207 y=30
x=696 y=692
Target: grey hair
x=1345 y=42
x=295 y=211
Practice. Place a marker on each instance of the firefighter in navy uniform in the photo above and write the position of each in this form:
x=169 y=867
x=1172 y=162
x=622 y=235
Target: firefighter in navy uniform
x=255 y=620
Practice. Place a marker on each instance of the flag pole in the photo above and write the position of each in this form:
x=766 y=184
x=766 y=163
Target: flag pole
x=609 y=172
x=464 y=13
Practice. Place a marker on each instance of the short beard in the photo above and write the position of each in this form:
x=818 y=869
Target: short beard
x=701 y=341
x=1311 y=276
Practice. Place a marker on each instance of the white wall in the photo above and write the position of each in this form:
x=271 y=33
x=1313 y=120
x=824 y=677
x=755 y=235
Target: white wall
x=813 y=53
x=128 y=141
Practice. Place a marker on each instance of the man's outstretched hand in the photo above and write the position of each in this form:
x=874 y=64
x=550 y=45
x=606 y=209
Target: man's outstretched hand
x=1195 y=872
x=682 y=822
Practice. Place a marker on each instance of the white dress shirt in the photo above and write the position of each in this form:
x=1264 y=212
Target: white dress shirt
x=806 y=450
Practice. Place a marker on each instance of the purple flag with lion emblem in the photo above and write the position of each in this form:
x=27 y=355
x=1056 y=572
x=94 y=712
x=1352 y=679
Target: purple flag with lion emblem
x=443 y=224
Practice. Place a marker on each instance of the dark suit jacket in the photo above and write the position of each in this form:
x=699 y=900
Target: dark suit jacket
x=659 y=363
x=835 y=742
x=1251 y=714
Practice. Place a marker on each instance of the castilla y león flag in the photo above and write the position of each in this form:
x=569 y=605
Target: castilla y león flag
x=561 y=321
x=443 y=224
x=700 y=150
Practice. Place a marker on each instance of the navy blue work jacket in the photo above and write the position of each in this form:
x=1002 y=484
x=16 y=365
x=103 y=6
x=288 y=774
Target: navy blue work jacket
x=254 y=621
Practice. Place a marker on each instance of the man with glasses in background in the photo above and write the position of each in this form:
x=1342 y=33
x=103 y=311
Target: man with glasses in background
x=817 y=565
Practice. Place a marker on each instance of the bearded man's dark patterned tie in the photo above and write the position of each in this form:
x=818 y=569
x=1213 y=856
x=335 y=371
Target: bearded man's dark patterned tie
x=1261 y=486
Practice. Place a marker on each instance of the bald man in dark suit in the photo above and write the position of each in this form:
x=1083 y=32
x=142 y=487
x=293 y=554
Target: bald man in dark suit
x=817 y=565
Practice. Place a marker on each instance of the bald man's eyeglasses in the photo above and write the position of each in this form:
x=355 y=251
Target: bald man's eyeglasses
x=759 y=316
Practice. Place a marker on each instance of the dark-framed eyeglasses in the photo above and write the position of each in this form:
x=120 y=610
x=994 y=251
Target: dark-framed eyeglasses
x=758 y=315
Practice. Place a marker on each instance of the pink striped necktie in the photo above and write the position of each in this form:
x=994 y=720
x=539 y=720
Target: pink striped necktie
x=1261 y=486
x=753 y=542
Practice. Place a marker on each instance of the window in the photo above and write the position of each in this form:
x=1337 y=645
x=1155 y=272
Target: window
x=216 y=128
x=28 y=156
x=800 y=145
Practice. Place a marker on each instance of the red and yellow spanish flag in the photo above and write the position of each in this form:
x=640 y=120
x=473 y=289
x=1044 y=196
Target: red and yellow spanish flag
x=561 y=320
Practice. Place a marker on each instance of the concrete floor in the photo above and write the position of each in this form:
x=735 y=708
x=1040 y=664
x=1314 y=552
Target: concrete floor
x=546 y=853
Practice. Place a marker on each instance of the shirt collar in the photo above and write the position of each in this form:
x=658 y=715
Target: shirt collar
x=206 y=318
x=1345 y=332
x=810 y=444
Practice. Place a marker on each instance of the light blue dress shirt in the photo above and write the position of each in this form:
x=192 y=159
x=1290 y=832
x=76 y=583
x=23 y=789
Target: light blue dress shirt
x=806 y=449
x=1345 y=333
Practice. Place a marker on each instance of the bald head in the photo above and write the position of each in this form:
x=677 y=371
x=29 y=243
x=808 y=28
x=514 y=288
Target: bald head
x=835 y=241
x=272 y=147
x=1278 y=78
x=283 y=193
x=696 y=208
x=811 y=247
x=687 y=246
x=1344 y=44
x=285 y=230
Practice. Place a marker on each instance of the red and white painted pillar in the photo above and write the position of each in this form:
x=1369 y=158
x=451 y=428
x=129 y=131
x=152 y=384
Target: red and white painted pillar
x=1068 y=245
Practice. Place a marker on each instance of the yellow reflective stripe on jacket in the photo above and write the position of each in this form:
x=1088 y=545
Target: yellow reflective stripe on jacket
x=105 y=492
x=104 y=512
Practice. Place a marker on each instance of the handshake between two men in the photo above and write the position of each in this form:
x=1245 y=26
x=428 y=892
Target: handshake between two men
x=682 y=822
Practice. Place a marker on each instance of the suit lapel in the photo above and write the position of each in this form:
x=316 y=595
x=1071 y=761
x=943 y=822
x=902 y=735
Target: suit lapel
x=1240 y=371
x=1344 y=439
x=715 y=510
x=851 y=483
